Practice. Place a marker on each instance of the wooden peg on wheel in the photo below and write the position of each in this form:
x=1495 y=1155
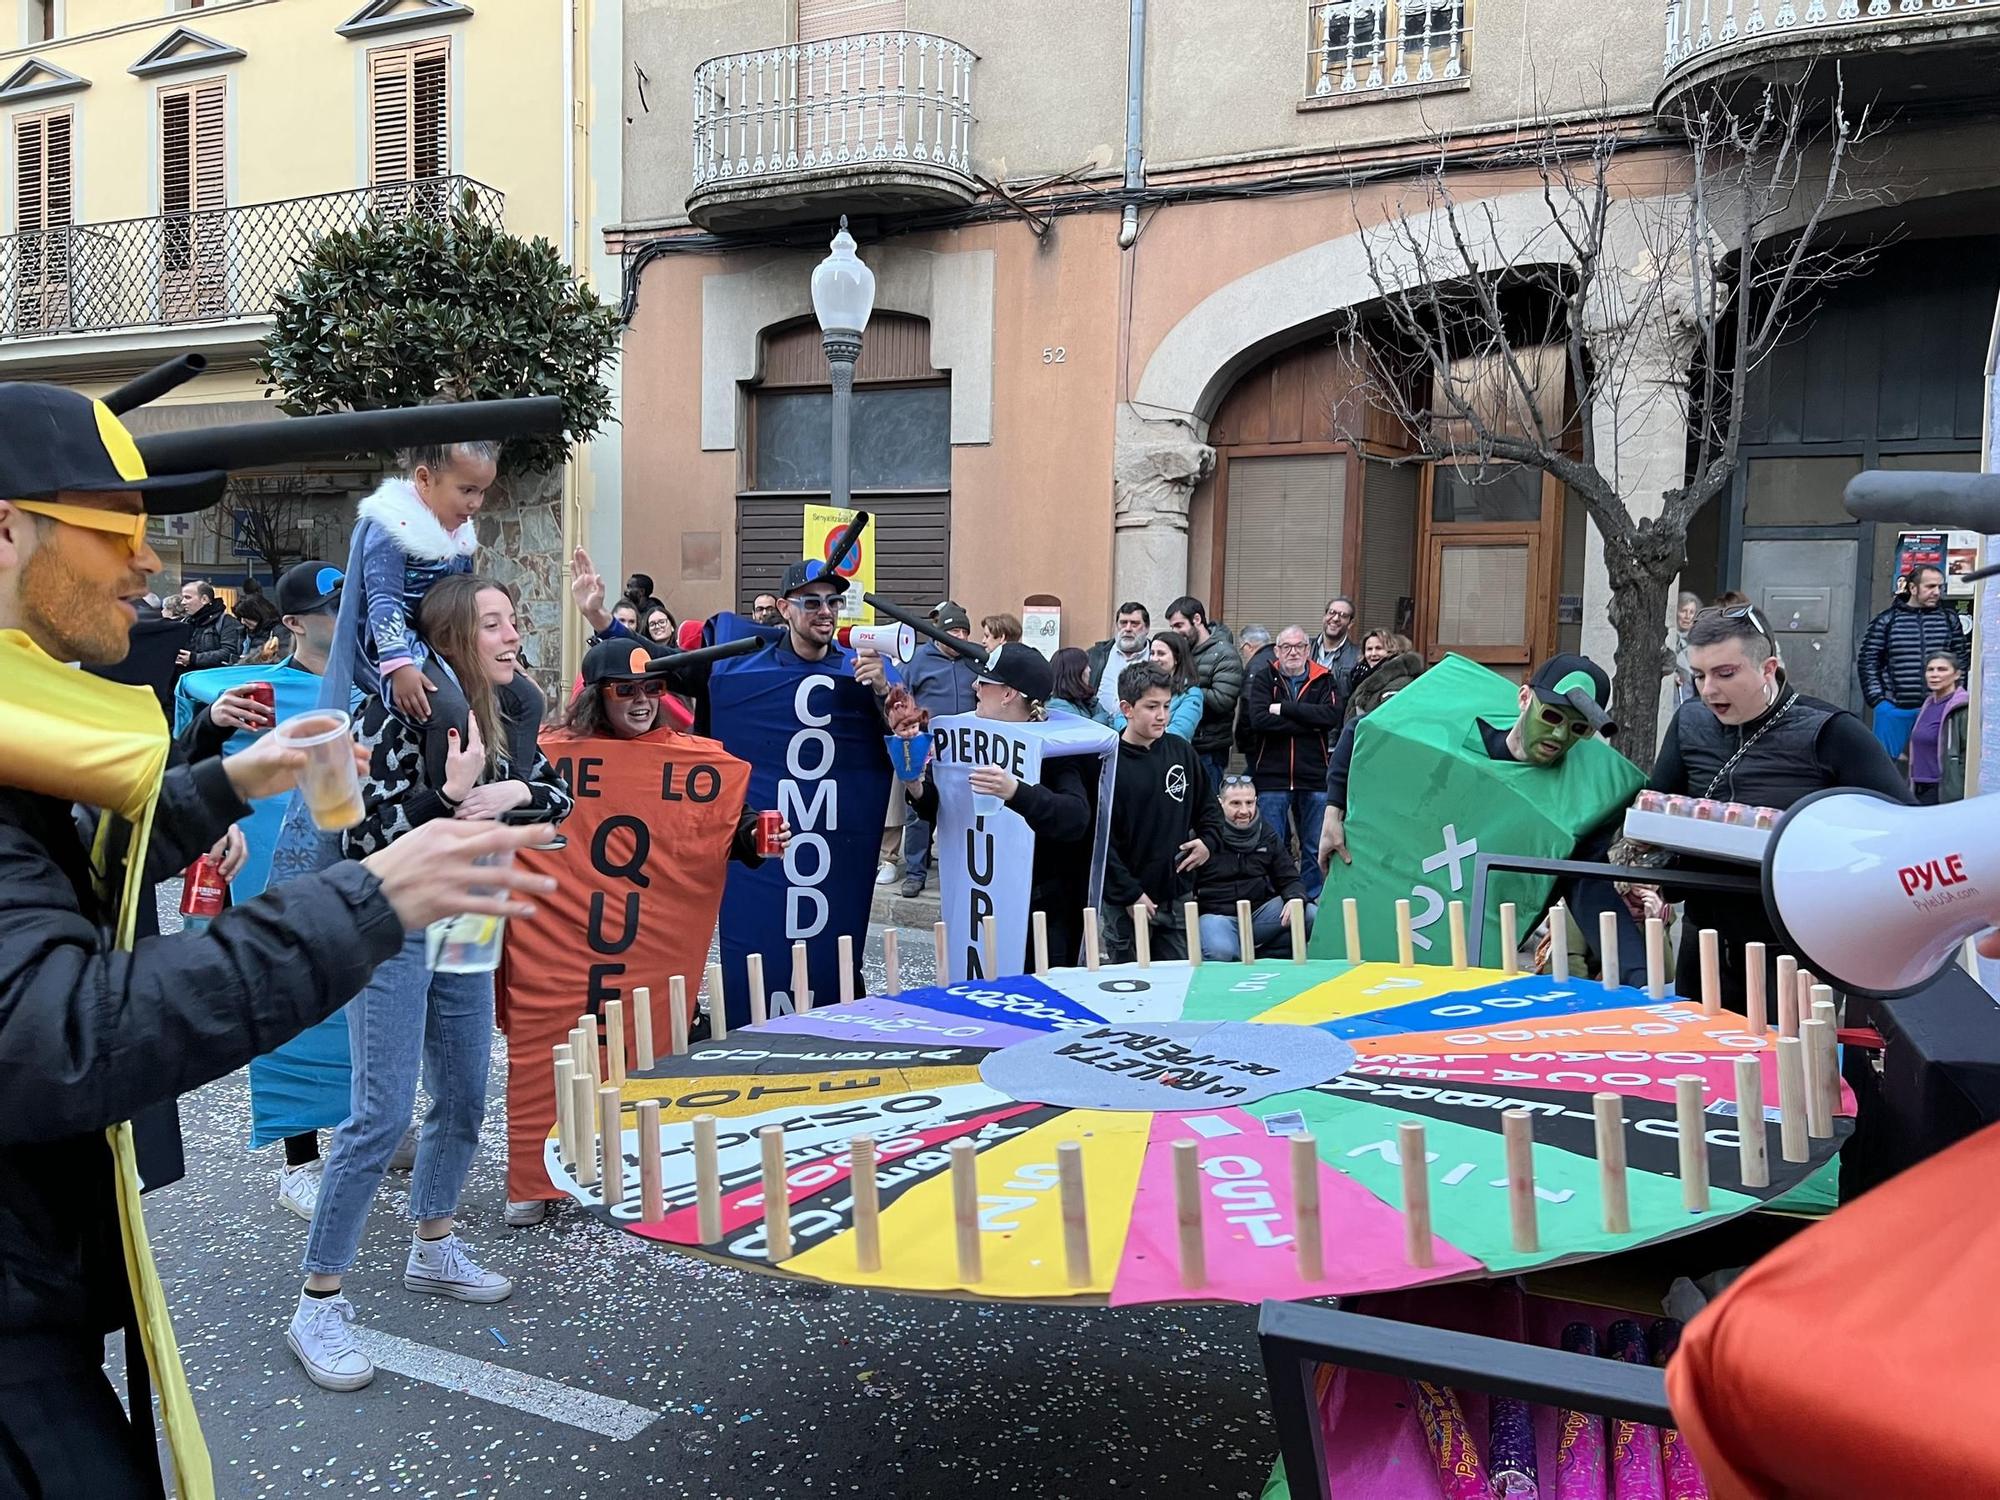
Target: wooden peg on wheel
x=583 y=1116
x=1691 y=1132
x=892 y=968
x=593 y=1057
x=614 y=1043
x=1792 y=1141
x=1656 y=958
x=652 y=1198
x=718 y=1012
x=1788 y=995
x=965 y=1209
x=565 y=1133
x=1142 y=936
x=1608 y=1112
x=777 y=1203
x=1822 y=1077
x=707 y=1181
x=802 y=1000
x=1295 y=909
x=611 y=1139
x=760 y=1005
x=1559 y=942
x=1808 y=982
x=1455 y=915
x=1711 y=972
x=642 y=1028
x=1753 y=1164
x=1191 y=919
x=1075 y=1212
x=1038 y=929
x=1305 y=1207
x=1608 y=967
x=1510 y=939
x=1754 y=1008
x=677 y=1015
x=989 y=944
x=1406 y=937
x=1418 y=1248
x=845 y=947
x=867 y=1203
x=1187 y=1213
x=1246 y=933
x=941 y=950
x=1350 y=917
x=1517 y=1127
x=1092 y=957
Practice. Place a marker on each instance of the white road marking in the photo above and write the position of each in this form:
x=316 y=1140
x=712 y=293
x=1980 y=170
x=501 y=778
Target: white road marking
x=620 y=1421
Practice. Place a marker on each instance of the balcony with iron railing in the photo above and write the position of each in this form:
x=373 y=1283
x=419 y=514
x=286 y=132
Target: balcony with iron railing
x=876 y=123
x=1359 y=50
x=1891 y=52
x=215 y=266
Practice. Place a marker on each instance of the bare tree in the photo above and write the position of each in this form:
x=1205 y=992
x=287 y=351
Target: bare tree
x=267 y=513
x=1651 y=286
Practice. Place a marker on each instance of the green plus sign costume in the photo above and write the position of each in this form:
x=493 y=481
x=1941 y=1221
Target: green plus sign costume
x=1424 y=798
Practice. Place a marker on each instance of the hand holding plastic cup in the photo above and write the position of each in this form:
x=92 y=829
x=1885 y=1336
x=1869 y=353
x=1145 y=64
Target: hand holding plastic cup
x=329 y=783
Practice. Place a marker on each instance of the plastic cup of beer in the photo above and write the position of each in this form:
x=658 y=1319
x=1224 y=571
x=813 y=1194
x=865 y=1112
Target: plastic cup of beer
x=329 y=783
x=468 y=944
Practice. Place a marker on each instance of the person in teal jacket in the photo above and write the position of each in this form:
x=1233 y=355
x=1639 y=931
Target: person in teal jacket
x=1169 y=652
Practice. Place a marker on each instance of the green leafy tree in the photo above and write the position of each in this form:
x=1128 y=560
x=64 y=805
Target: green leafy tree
x=397 y=312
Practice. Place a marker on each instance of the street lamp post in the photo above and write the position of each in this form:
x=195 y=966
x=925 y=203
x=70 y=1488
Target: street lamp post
x=843 y=294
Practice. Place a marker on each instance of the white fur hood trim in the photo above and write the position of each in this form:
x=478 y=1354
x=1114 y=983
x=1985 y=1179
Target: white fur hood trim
x=397 y=510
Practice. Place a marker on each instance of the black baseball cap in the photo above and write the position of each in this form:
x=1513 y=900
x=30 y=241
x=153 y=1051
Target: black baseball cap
x=1017 y=665
x=623 y=658
x=308 y=588
x=1578 y=684
x=810 y=570
x=54 y=440
x=951 y=615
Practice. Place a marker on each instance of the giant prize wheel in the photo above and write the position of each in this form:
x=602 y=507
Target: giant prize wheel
x=1234 y=1058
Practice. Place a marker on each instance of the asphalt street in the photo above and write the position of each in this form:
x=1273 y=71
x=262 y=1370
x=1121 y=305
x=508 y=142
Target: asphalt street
x=617 y=1368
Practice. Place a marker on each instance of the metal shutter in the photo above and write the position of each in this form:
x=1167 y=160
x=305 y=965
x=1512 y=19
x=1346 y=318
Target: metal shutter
x=1287 y=518
x=1388 y=542
x=912 y=544
x=820 y=19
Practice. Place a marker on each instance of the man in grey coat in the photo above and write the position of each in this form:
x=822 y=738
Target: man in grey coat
x=1218 y=670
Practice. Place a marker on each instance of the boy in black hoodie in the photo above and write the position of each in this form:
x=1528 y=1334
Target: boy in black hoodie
x=1165 y=821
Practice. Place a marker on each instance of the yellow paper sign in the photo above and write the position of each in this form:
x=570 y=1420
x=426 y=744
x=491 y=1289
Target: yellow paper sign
x=823 y=524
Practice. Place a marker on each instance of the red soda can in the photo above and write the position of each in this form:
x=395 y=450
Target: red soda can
x=1651 y=801
x=265 y=694
x=769 y=821
x=203 y=888
x=1707 y=811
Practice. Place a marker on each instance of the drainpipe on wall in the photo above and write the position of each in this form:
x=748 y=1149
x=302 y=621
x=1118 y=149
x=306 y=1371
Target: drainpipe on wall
x=1135 y=123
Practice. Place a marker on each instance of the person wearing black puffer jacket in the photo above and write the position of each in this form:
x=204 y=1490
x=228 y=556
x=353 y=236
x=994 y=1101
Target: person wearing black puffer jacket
x=1294 y=705
x=1252 y=866
x=215 y=636
x=1894 y=649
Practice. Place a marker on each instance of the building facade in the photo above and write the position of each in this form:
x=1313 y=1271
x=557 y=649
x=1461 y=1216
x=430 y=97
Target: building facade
x=167 y=161
x=1110 y=264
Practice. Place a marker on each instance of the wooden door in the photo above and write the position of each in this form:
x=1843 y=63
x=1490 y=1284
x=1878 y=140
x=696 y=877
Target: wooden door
x=1488 y=566
x=194 y=198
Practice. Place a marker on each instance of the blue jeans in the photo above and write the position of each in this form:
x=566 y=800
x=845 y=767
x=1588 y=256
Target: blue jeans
x=407 y=1015
x=1218 y=933
x=1308 y=811
x=1217 y=767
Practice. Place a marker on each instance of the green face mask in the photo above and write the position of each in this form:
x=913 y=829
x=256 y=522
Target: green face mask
x=1547 y=732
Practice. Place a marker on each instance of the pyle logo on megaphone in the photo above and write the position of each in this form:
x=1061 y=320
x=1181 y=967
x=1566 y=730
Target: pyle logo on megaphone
x=898 y=642
x=1871 y=897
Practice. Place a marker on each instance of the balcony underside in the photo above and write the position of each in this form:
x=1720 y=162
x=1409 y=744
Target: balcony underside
x=1906 y=62
x=863 y=189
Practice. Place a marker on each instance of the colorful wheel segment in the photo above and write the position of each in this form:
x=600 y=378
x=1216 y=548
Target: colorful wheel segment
x=1128 y=1061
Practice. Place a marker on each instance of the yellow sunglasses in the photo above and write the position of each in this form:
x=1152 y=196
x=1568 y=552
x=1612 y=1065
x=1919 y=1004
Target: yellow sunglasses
x=131 y=526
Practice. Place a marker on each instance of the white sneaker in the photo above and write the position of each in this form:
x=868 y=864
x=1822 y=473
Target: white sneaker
x=887 y=874
x=322 y=1336
x=443 y=1267
x=298 y=1188
x=522 y=1215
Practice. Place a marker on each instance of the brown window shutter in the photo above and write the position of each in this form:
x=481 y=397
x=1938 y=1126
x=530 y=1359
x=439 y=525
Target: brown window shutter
x=194 y=192
x=820 y=19
x=409 y=112
x=211 y=145
x=43 y=202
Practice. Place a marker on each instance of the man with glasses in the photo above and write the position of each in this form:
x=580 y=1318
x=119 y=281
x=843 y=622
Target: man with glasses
x=1292 y=706
x=1336 y=649
x=1749 y=736
x=766 y=609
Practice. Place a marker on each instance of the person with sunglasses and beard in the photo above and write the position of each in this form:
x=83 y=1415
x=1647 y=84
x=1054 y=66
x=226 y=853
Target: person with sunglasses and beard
x=1749 y=736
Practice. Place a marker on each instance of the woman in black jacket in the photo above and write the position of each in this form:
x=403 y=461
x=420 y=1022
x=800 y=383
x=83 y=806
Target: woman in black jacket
x=1252 y=865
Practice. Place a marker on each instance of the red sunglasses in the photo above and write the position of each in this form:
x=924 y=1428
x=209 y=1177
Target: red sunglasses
x=652 y=687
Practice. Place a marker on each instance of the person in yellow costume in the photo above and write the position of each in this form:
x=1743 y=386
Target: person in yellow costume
x=94 y=1026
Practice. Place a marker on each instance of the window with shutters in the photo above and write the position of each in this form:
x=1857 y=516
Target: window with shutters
x=44 y=202
x=1286 y=521
x=194 y=194
x=820 y=19
x=409 y=124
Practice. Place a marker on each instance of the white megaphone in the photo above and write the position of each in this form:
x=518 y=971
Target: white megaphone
x=1875 y=897
x=898 y=642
